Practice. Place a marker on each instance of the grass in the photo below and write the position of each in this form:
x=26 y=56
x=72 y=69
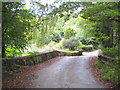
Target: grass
x=107 y=72
x=66 y=50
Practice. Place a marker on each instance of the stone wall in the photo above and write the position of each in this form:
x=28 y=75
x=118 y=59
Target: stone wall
x=13 y=64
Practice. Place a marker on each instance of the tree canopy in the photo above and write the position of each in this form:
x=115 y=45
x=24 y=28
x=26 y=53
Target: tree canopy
x=89 y=22
x=16 y=26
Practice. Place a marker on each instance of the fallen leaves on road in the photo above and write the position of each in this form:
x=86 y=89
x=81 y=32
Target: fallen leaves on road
x=26 y=74
x=96 y=74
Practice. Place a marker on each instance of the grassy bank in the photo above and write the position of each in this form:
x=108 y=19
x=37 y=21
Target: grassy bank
x=107 y=72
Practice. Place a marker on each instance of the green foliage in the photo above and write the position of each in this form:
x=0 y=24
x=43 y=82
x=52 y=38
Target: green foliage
x=84 y=28
x=110 y=51
x=66 y=50
x=87 y=47
x=69 y=33
x=79 y=47
x=100 y=11
x=44 y=31
x=88 y=41
x=59 y=45
x=96 y=24
x=53 y=36
x=108 y=73
x=34 y=52
x=70 y=43
x=12 y=52
x=65 y=7
x=52 y=43
x=82 y=47
x=105 y=15
x=16 y=24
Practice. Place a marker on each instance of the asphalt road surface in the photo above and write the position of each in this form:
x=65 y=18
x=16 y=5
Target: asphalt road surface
x=68 y=72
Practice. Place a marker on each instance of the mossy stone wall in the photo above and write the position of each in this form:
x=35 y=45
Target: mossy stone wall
x=12 y=64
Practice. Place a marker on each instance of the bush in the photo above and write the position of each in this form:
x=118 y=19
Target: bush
x=70 y=43
x=59 y=45
x=12 y=52
x=82 y=47
x=79 y=47
x=87 y=47
x=52 y=43
x=108 y=73
x=89 y=41
x=113 y=52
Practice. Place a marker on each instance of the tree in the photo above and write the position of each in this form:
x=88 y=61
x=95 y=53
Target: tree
x=16 y=23
x=69 y=33
x=105 y=16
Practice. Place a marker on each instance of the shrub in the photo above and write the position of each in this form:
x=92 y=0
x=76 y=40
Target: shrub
x=12 y=52
x=82 y=47
x=89 y=41
x=79 y=47
x=113 y=52
x=59 y=45
x=108 y=73
x=52 y=43
x=70 y=43
x=87 y=47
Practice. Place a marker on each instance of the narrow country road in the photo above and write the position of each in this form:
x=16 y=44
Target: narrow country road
x=68 y=72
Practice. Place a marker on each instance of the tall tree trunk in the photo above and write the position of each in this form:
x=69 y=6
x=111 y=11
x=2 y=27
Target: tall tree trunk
x=118 y=42
x=3 y=50
x=112 y=37
x=107 y=32
x=3 y=45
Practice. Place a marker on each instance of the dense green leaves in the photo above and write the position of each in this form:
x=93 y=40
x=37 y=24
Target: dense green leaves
x=81 y=26
x=105 y=16
x=69 y=33
x=16 y=23
x=70 y=43
x=101 y=11
x=97 y=21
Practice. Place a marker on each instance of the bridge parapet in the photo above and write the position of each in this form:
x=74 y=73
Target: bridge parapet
x=13 y=64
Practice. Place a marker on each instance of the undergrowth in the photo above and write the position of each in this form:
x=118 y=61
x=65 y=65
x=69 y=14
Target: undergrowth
x=107 y=72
